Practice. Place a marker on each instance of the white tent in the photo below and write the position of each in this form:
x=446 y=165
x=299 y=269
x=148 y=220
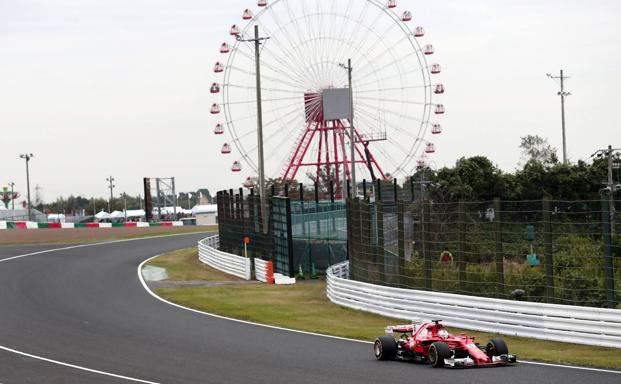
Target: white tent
x=135 y=213
x=210 y=208
x=102 y=215
x=115 y=215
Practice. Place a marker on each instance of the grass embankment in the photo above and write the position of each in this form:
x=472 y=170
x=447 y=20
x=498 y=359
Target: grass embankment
x=304 y=306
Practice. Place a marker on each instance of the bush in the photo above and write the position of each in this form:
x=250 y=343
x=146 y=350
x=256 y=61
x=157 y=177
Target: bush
x=523 y=276
x=578 y=271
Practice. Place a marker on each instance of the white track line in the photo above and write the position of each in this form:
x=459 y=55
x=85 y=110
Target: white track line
x=146 y=287
x=133 y=379
x=77 y=366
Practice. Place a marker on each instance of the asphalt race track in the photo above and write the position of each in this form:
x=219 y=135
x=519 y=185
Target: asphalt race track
x=86 y=307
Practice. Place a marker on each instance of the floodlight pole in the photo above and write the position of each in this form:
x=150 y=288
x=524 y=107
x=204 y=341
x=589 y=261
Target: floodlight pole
x=257 y=56
x=111 y=186
x=562 y=94
x=27 y=157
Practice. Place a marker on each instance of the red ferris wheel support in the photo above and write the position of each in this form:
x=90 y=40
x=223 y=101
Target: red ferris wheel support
x=321 y=143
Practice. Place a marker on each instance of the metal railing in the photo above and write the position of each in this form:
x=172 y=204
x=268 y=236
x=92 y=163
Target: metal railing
x=209 y=254
x=565 y=323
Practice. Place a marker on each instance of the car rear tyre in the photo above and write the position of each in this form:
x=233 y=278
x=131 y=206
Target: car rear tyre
x=496 y=347
x=438 y=351
x=385 y=348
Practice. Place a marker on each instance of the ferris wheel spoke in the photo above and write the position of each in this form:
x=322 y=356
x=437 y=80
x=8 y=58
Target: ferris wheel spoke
x=254 y=114
x=294 y=20
x=391 y=89
x=357 y=29
x=383 y=79
x=393 y=100
x=388 y=50
x=254 y=149
x=282 y=67
x=293 y=64
x=263 y=100
x=265 y=63
x=270 y=89
x=395 y=127
x=402 y=58
x=386 y=111
x=381 y=38
x=272 y=136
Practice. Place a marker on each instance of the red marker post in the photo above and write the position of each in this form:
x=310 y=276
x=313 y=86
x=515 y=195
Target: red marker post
x=246 y=242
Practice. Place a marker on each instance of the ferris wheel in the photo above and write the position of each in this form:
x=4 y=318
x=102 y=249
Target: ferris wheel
x=306 y=99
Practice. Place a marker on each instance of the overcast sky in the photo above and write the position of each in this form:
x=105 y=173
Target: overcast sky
x=121 y=87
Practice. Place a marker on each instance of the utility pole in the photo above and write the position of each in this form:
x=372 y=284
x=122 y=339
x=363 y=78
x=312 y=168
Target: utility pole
x=613 y=156
x=111 y=186
x=27 y=157
x=352 y=137
x=12 y=184
x=257 y=57
x=125 y=205
x=562 y=94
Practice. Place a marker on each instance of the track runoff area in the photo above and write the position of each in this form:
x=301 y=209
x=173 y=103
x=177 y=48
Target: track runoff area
x=81 y=314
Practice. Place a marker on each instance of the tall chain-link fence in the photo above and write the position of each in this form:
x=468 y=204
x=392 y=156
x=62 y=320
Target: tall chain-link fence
x=566 y=252
x=306 y=227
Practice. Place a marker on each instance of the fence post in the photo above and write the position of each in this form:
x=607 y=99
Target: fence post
x=364 y=188
x=500 y=267
x=365 y=239
x=426 y=253
x=401 y=237
x=394 y=189
x=251 y=216
x=547 y=250
x=353 y=227
x=608 y=260
x=461 y=243
x=379 y=247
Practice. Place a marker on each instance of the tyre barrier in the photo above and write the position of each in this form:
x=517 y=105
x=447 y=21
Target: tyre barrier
x=209 y=254
x=565 y=323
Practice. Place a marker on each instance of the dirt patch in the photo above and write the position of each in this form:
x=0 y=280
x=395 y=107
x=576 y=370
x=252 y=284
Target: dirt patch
x=88 y=235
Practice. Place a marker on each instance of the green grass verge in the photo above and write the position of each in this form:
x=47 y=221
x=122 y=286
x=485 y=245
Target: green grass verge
x=183 y=265
x=304 y=306
x=175 y=231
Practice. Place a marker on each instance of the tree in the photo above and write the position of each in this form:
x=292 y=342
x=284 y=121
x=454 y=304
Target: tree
x=536 y=148
x=473 y=178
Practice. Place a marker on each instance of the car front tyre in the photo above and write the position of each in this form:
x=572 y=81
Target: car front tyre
x=438 y=351
x=496 y=347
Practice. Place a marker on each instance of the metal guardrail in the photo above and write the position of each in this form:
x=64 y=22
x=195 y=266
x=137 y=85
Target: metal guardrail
x=209 y=254
x=572 y=324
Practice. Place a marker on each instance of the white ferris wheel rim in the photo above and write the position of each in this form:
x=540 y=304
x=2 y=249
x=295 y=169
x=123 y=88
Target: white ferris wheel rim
x=402 y=166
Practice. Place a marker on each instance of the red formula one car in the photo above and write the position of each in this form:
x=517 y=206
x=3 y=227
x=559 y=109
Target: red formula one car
x=429 y=342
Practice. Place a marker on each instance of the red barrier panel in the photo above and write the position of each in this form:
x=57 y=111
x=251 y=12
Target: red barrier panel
x=20 y=225
x=131 y=225
x=92 y=225
x=166 y=224
x=54 y=225
x=269 y=273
